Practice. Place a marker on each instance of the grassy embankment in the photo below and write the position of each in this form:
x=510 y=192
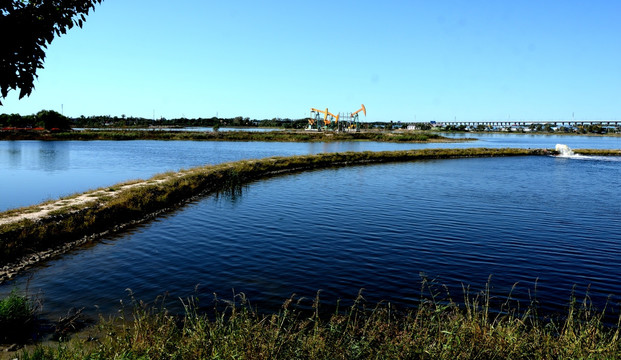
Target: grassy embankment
x=281 y=136
x=597 y=152
x=104 y=212
x=433 y=330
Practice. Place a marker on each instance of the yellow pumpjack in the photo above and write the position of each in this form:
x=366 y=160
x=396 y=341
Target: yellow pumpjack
x=355 y=114
x=314 y=119
x=315 y=122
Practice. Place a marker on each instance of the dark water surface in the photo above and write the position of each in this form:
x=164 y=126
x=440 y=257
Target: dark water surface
x=376 y=227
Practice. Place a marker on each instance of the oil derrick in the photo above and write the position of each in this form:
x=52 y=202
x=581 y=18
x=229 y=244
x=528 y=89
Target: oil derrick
x=351 y=121
x=325 y=120
x=318 y=122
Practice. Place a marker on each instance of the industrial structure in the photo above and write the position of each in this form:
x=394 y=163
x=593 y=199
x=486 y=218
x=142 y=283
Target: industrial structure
x=318 y=122
x=351 y=121
x=322 y=120
x=524 y=123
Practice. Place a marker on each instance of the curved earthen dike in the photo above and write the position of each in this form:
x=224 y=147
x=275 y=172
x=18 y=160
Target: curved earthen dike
x=26 y=241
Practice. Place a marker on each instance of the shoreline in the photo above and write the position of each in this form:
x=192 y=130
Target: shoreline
x=436 y=327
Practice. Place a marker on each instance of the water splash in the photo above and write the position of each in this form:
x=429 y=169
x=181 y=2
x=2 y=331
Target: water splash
x=564 y=150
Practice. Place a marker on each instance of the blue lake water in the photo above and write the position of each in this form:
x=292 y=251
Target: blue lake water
x=35 y=171
x=551 y=220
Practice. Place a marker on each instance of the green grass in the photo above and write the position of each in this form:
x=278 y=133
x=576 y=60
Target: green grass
x=433 y=330
x=17 y=314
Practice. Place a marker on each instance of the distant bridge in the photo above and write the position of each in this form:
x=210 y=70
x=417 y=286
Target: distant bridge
x=530 y=122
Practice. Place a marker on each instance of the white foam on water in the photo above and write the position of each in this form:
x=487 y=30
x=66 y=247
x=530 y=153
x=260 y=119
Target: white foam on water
x=564 y=150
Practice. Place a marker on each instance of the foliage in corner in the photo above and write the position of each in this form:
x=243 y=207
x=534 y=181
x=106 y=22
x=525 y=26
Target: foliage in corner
x=28 y=27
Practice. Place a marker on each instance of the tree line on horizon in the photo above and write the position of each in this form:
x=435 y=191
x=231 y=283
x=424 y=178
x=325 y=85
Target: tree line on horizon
x=44 y=119
x=52 y=120
x=107 y=121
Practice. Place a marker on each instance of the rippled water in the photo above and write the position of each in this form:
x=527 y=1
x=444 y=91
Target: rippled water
x=373 y=227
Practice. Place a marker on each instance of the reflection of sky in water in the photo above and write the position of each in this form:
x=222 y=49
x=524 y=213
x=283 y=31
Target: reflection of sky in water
x=33 y=171
x=541 y=141
x=14 y=154
x=35 y=155
x=54 y=156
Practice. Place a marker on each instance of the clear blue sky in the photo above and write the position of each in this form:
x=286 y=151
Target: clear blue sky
x=405 y=60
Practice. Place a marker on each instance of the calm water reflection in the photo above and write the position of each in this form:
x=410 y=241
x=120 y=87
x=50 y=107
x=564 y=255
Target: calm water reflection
x=33 y=171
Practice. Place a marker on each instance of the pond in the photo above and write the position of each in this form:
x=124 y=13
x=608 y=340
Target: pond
x=35 y=171
x=550 y=220
x=548 y=223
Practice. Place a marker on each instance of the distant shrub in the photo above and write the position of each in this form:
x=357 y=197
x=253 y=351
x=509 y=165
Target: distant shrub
x=53 y=120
